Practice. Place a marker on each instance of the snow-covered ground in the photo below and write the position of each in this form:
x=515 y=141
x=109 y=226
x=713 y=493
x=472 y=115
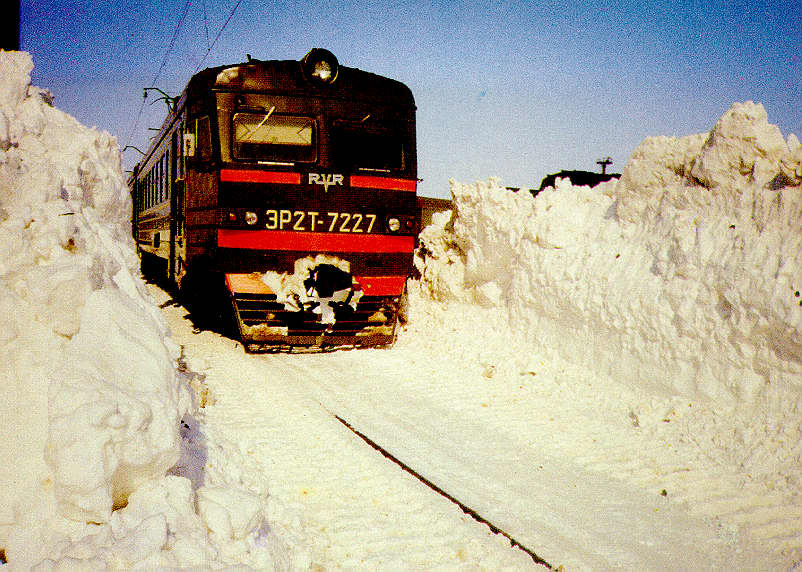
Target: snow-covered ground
x=609 y=377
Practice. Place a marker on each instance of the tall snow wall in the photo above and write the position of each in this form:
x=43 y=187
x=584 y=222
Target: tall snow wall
x=90 y=408
x=103 y=467
x=684 y=275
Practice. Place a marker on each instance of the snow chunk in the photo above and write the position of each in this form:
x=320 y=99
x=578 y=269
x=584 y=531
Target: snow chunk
x=318 y=283
x=742 y=148
x=109 y=432
x=230 y=513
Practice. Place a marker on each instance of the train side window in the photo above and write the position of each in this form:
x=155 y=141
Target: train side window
x=157 y=180
x=163 y=177
x=203 y=138
x=180 y=153
x=167 y=182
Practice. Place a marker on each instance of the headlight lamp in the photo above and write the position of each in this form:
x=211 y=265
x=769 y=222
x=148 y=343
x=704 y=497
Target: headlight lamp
x=322 y=70
x=393 y=224
x=251 y=218
x=320 y=66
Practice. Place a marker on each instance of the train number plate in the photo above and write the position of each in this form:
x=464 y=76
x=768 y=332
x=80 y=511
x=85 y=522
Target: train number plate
x=314 y=221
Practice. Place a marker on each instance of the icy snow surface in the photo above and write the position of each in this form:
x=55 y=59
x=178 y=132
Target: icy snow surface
x=610 y=376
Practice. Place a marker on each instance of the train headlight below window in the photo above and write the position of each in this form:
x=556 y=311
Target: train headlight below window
x=251 y=218
x=393 y=224
x=320 y=65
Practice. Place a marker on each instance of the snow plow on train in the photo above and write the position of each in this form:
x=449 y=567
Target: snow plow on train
x=293 y=184
x=326 y=309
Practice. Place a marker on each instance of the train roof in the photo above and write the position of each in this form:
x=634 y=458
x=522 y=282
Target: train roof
x=292 y=77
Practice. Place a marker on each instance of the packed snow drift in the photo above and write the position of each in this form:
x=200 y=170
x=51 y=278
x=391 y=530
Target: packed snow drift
x=100 y=466
x=683 y=277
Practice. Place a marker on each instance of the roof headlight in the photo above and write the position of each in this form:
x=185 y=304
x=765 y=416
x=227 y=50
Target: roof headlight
x=320 y=66
x=322 y=70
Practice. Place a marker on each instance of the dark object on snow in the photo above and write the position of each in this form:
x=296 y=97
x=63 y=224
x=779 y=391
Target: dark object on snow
x=326 y=279
x=577 y=178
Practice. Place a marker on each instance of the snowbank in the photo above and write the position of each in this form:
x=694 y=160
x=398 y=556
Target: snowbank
x=684 y=277
x=92 y=402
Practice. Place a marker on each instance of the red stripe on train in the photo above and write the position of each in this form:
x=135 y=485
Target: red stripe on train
x=381 y=285
x=390 y=184
x=253 y=176
x=370 y=285
x=313 y=241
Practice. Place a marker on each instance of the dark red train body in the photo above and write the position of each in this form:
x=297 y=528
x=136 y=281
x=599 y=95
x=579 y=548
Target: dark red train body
x=284 y=180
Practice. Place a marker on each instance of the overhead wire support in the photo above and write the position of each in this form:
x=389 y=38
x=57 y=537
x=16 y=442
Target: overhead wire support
x=140 y=151
x=170 y=101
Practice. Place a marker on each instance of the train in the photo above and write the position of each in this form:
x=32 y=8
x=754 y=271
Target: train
x=287 y=191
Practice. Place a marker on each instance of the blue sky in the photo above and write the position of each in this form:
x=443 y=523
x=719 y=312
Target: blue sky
x=510 y=89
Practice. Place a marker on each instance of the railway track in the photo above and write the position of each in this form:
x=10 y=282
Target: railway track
x=356 y=509
x=394 y=459
x=332 y=495
x=466 y=509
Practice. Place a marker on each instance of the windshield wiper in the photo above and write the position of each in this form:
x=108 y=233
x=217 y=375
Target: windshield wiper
x=262 y=122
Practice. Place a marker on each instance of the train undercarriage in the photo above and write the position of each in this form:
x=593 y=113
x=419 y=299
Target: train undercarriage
x=319 y=306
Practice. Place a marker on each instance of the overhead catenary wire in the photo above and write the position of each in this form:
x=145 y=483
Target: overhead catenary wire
x=177 y=30
x=178 y=27
x=205 y=24
x=217 y=37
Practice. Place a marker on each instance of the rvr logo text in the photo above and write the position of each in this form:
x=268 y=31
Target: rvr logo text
x=325 y=179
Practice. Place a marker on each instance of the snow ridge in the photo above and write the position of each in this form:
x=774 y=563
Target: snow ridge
x=682 y=278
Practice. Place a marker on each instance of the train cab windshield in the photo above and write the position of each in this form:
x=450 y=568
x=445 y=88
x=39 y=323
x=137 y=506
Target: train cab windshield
x=273 y=137
x=356 y=148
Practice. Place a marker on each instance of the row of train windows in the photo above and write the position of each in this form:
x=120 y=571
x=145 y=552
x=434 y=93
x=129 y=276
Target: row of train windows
x=154 y=186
